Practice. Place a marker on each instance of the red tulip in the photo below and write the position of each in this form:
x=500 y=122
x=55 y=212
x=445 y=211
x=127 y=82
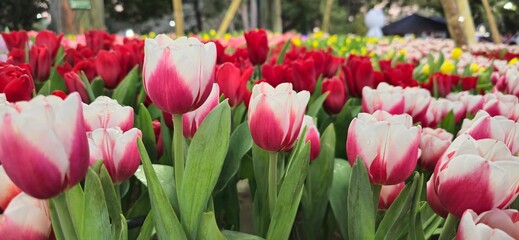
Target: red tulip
x=15 y=39
x=337 y=95
x=16 y=56
x=7 y=189
x=192 y=120
x=358 y=73
x=108 y=66
x=59 y=93
x=178 y=74
x=385 y=97
x=495 y=224
x=276 y=115
x=88 y=67
x=302 y=75
x=319 y=62
x=26 y=218
x=118 y=151
x=257 y=46
x=40 y=60
x=439 y=84
x=388 y=194
x=433 y=144
x=105 y=112
x=312 y=136
x=466 y=83
x=401 y=75
x=73 y=83
x=98 y=40
x=274 y=74
x=233 y=83
x=50 y=40
x=475 y=174
x=43 y=145
x=332 y=64
x=387 y=144
x=16 y=82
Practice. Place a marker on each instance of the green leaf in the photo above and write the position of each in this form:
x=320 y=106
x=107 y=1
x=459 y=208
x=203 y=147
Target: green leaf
x=147 y=228
x=415 y=223
x=166 y=142
x=241 y=142
x=87 y=86
x=123 y=233
x=165 y=176
x=289 y=195
x=232 y=235
x=98 y=87
x=283 y=52
x=54 y=217
x=260 y=163
x=359 y=204
x=165 y=219
x=449 y=123
x=208 y=228
x=95 y=215
x=317 y=187
x=55 y=82
x=205 y=158
x=74 y=198
x=148 y=135
x=126 y=91
x=316 y=105
x=60 y=56
x=113 y=201
x=339 y=194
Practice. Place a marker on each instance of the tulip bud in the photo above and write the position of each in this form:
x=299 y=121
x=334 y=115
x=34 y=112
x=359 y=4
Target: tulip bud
x=385 y=97
x=40 y=60
x=7 y=189
x=15 y=39
x=233 y=83
x=312 y=136
x=433 y=144
x=43 y=145
x=178 y=74
x=274 y=74
x=192 y=120
x=493 y=224
x=302 y=75
x=475 y=174
x=257 y=46
x=387 y=144
x=337 y=95
x=73 y=83
x=118 y=151
x=50 y=40
x=25 y=218
x=105 y=112
x=276 y=115
x=108 y=66
x=16 y=82
x=388 y=194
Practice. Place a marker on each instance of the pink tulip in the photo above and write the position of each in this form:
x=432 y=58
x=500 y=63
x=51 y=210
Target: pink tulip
x=385 y=97
x=276 y=115
x=498 y=128
x=433 y=144
x=7 y=189
x=417 y=102
x=43 y=145
x=388 y=194
x=312 y=136
x=495 y=224
x=434 y=201
x=26 y=218
x=387 y=144
x=178 y=74
x=192 y=120
x=118 y=151
x=475 y=174
x=105 y=112
x=500 y=104
x=473 y=103
x=439 y=108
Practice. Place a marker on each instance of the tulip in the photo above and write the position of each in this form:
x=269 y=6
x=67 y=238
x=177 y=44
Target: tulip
x=302 y=75
x=500 y=104
x=88 y=67
x=385 y=97
x=319 y=59
x=158 y=137
x=387 y=144
x=73 y=83
x=274 y=74
x=401 y=75
x=192 y=120
x=337 y=95
x=473 y=103
x=15 y=39
x=494 y=224
x=108 y=66
x=466 y=83
x=7 y=189
x=433 y=144
x=499 y=128
x=439 y=84
x=475 y=174
x=439 y=108
x=118 y=151
x=26 y=218
x=98 y=40
x=105 y=112
x=388 y=194
x=50 y=40
x=312 y=136
x=331 y=65
x=16 y=56
x=276 y=115
x=43 y=145
x=40 y=60
x=178 y=74
x=16 y=82
x=417 y=102
x=434 y=201
x=233 y=83
x=59 y=93
x=358 y=73
x=257 y=46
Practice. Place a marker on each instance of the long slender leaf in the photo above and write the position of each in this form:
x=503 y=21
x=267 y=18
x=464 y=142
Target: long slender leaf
x=339 y=194
x=209 y=229
x=316 y=105
x=148 y=135
x=260 y=162
x=95 y=215
x=147 y=228
x=126 y=91
x=359 y=204
x=232 y=235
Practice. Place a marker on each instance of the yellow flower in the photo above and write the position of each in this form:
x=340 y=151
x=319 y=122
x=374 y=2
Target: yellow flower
x=297 y=41
x=227 y=36
x=482 y=70
x=474 y=67
x=426 y=69
x=318 y=34
x=205 y=37
x=332 y=40
x=372 y=54
x=403 y=52
x=447 y=67
x=315 y=44
x=363 y=51
x=152 y=35
x=456 y=53
x=513 y=61
x=353 y=51
x=212 y=32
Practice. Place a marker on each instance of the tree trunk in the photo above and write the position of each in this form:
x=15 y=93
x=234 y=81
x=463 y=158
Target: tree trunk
x=277 y=25
x=452 y=17
x=198 y=15
x=229 y=16
x=178 y=14
x=253 y=14
x=97 y=15
x=67 y=18
x=245 y=16
x=468 y=21
x=326 y=16
x=491 y=22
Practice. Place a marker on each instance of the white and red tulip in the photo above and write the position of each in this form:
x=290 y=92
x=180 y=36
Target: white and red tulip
x=312 y=135
x=105 y=112
x=433 y=144
x=388 y=194
x=26 y=218
x=7 y=189
x=192 y=120
x=495 y=224
x=385 y=97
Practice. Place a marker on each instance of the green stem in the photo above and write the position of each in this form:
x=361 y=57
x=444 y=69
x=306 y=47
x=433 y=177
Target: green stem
x=64 y=220
x=375 y=188
x=178 y=151
x=449 y=228
x=273 y=181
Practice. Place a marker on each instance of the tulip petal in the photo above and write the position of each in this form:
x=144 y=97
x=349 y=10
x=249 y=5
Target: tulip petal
x=126 y=156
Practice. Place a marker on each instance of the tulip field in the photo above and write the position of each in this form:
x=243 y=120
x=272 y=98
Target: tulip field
x=257 y=135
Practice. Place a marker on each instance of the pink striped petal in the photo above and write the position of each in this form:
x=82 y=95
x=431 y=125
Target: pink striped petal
x=126 y=156
x=25 y=218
